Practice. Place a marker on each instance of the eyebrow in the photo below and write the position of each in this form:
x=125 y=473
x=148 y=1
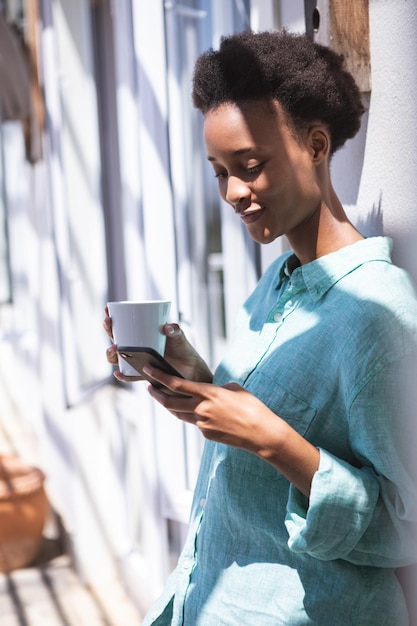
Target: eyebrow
x=237 y=152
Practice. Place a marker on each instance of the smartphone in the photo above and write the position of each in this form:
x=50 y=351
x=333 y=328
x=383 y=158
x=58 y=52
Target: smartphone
x=140 y=357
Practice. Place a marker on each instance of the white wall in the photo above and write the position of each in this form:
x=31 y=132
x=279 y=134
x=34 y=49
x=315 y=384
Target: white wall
x=388 y=189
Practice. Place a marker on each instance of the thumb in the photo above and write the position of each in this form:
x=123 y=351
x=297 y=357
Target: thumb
x=233 y=387
x=174 y=332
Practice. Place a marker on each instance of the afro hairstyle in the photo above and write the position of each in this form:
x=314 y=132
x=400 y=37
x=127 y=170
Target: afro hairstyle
x=308 y=80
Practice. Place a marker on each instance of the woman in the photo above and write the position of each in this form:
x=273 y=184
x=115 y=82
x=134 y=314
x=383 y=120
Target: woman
x=306 y=498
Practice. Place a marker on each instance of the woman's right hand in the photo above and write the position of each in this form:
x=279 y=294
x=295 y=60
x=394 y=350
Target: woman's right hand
x=178 y=351
x=183 y=356
x=111 y=352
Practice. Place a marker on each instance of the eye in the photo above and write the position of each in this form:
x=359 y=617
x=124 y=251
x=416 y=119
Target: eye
x=220 y=174
x=255 y=169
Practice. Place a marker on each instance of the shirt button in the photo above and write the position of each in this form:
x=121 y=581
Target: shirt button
x=187 y=564
x=277 y=317
x=202 y=501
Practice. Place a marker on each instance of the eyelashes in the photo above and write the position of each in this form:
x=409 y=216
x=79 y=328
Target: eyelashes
x=255 y=169
x=248 y=170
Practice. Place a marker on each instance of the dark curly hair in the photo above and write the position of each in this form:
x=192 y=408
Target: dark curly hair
x=308 y=80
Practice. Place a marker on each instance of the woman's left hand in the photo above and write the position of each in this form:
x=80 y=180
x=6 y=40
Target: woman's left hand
x=227 y=414
x=233 y=416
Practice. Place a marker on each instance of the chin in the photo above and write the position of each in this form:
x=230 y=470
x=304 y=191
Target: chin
x=263 y=238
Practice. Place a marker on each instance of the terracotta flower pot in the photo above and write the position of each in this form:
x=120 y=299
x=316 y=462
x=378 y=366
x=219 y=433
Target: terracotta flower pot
x=23 y=512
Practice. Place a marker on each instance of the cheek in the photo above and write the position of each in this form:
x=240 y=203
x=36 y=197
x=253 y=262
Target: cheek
x=272 y=184
x=289 y=187
x=308 y=183
x=304 y=176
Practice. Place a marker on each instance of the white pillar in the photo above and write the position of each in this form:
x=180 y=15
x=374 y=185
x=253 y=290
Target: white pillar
x=388 y=189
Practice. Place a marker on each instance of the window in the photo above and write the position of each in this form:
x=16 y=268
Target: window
x=80 y=222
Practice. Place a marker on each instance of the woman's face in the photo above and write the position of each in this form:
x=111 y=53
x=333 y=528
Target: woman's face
x=264 y=172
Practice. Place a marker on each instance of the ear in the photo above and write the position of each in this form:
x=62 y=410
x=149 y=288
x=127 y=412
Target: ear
x=319 y=143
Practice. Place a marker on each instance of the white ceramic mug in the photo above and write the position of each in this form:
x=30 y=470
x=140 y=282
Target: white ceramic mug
x=139 y=324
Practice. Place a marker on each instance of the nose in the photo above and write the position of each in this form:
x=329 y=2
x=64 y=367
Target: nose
x=238 y=193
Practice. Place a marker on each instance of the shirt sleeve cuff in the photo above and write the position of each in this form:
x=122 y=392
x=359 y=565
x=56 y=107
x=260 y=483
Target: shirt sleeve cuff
x=330 y=523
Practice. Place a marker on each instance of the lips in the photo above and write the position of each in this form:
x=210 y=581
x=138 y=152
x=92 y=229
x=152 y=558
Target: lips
x=250 y=216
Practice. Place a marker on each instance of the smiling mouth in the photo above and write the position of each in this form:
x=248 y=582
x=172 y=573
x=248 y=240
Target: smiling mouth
x=249 y=216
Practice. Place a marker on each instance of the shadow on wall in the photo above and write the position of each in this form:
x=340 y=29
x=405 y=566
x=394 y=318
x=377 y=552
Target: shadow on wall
x=371 y=224
x=404 y=253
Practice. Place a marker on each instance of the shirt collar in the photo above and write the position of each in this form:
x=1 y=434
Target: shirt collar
x=321 y=274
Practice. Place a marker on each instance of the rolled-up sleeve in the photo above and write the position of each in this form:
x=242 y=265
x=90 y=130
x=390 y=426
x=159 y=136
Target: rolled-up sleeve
x=366 y=514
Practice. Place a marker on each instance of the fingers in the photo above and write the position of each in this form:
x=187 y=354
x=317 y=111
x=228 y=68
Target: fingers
x=107 y=323
x=179 y=386
x=111 y=354
x=126 y=379
x=182 y=406
x=112 y=357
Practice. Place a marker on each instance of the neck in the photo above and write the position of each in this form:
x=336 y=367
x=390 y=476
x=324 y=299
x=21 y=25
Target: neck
x=327 y=230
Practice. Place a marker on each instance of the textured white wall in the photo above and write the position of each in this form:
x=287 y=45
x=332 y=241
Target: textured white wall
x=387 y=192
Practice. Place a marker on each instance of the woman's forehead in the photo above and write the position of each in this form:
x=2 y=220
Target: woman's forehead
x=254 y=122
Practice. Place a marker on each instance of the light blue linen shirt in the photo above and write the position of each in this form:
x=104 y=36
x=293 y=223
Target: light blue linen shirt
x=331 y=348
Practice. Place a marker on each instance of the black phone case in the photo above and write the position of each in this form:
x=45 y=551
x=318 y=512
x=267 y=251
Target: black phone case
x=140 y=357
